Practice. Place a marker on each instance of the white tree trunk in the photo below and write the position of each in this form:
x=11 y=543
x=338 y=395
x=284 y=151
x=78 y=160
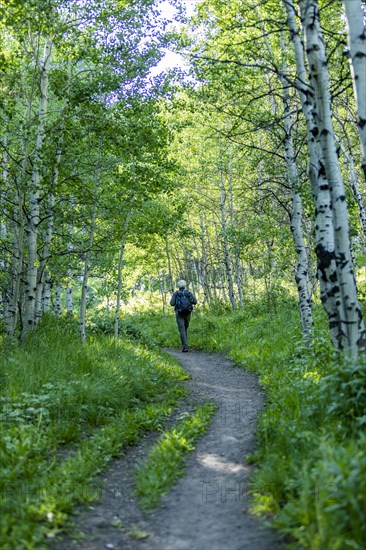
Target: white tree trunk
x=86 y=271
x=84 y=289
x=357 y=47
x=69 y=300
x=120 y=268
x=69 y=285
x=43 y=261
x=3 y=227
x=235 y=253
x=46 y=292
x=324 y=234
x=355 y=185
x=167 y=251
x=58 y=308
x=301 y=277
x=227 y=254
x=352 y=326
x=205 y=276
x=34 y=213
x=48 y=237
x=10 y=267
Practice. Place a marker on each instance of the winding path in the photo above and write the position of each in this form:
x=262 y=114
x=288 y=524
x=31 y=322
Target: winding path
x=207 y=509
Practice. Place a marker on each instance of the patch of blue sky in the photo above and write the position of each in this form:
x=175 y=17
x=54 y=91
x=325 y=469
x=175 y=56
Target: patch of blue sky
x=171 y=59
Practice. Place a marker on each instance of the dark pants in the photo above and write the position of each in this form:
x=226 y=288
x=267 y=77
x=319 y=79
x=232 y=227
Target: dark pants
x=183 y=324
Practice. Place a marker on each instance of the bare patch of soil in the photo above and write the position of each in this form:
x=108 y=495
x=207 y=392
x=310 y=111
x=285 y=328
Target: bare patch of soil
x=208 y=507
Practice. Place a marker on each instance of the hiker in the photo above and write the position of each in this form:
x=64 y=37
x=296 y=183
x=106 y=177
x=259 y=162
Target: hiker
x=183 y=301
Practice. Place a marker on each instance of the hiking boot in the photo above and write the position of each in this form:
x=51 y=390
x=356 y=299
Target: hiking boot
x=185 y=349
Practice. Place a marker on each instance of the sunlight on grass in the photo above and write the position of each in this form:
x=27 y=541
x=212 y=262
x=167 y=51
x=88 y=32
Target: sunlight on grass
x=311 y=455
x=65 y=411
x=165 y=461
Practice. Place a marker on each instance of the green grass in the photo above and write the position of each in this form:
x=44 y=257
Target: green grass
x=311 y=456
x=65 y=410
x=165 y=462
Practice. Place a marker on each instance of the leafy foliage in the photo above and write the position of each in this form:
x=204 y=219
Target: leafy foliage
x=65 y=411
x=164 y=463
x=310 y=475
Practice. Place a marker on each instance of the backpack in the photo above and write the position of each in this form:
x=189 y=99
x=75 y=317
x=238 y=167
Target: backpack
x=183 y=303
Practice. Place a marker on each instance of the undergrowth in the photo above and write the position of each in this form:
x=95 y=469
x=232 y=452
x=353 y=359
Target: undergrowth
x=65 y=410
x=165 y=461
x=311 y=457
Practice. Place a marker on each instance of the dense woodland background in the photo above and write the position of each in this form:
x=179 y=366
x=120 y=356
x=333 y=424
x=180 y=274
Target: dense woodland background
x=243 y=174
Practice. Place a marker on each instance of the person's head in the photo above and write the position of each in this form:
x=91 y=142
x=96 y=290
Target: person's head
x=182 y=284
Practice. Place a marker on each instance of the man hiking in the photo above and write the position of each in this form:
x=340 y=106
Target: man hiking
x=183 y=301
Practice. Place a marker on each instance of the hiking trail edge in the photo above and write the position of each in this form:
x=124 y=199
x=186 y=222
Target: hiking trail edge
x=207 y=509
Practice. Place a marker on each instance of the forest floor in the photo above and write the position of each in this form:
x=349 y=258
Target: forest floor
x=208 y=507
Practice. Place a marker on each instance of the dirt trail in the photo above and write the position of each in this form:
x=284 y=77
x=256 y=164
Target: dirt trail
x=207 y=509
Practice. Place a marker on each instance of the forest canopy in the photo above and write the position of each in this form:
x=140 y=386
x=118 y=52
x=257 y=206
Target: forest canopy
x=245 y=177
x=223 y=143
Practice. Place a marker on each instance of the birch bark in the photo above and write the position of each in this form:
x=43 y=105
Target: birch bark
x=357 y=49
x=48 y=236
x=354 y=185
x=3 y=227
x=34 y=213
x=227 y=254
x=46 y=292
x=69 y=292
x=324 y=234
x=301 y=276
x=235 y=253
x=43 y=261
x=352 y=326
x=58 y=308
x=13 y=291
x=205 y=275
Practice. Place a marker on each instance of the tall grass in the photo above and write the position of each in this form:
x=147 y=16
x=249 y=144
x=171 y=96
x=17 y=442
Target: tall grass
x=311 y=456
x=65 y=410
x=164 y=464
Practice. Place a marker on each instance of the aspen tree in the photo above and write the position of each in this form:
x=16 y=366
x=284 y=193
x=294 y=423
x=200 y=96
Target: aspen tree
x=13 y=292
x=353 y=181
x=46 y=292
x=356 y=15
x=120 y=267
x=3 y=225
x=324 y=235
x=48 y=236
x=352 y=326
x=35 y=194
x=87 y=254
x=302 y=280
x=226 y=248
x=237 y=268
x=296 y=214
x=204 y=260
x=58 y=307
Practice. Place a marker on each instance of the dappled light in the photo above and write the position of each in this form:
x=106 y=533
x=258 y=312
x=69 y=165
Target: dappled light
x=219 y=464
x=183 y=274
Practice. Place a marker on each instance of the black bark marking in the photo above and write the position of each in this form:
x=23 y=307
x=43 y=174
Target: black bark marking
x=325 y=258
x=322 y=170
